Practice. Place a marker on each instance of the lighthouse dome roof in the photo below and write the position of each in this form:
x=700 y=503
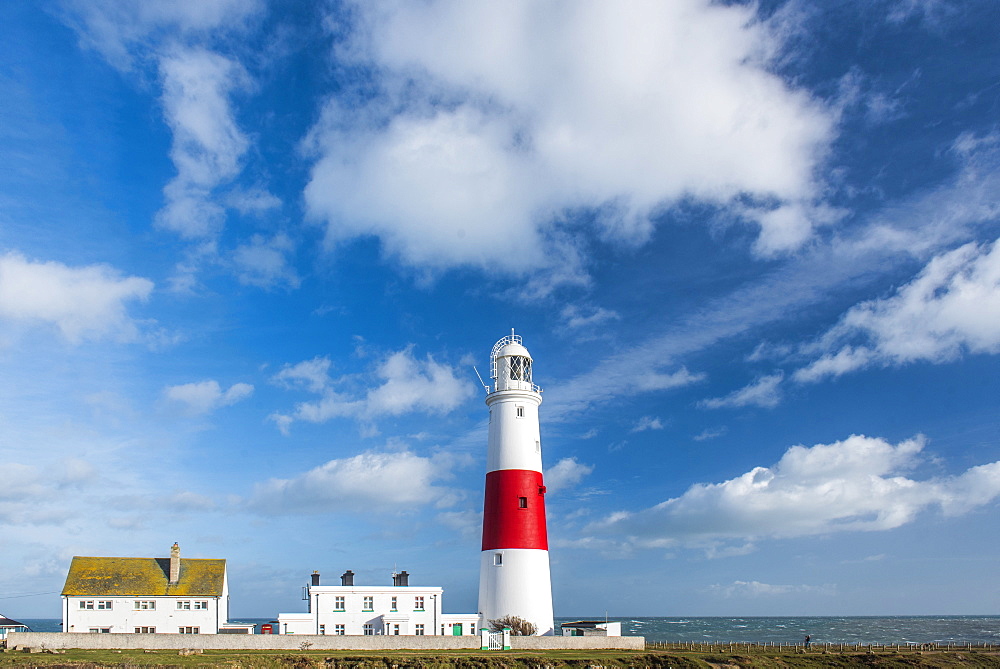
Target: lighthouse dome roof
x=512 y=348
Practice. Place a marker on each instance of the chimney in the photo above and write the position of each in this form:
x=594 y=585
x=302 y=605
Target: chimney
x=402 y=579
x=175 y=564
x=315 y=578
x=347 y=578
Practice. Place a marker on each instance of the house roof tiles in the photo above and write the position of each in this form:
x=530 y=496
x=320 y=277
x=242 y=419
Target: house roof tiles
x=145 y=577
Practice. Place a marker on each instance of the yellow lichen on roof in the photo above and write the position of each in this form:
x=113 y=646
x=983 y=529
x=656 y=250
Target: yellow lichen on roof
x=133 y=577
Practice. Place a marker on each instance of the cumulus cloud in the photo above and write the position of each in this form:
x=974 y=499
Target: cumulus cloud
x=763 y=392
x=565 y=474
x=580 y=317
x=86 y=302
x=515 y=114
x=857 y=484
x=370 y=481
x=951 y=308
x=206 y=396
x=407 y=384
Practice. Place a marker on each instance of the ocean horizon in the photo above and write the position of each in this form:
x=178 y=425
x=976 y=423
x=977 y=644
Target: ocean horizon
x=767 y=629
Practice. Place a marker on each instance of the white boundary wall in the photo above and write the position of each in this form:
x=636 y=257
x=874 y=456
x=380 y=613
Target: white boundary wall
x=61 y=640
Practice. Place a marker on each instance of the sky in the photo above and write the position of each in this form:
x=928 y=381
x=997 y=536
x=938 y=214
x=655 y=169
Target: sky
x=252 y=255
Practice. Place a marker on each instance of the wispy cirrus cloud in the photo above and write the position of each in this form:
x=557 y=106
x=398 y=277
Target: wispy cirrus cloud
x=764 y=392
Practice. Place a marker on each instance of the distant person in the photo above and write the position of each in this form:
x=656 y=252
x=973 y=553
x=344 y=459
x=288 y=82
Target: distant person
x=808 y=639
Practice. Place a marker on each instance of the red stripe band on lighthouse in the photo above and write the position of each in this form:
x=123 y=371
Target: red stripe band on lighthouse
x=514 y=511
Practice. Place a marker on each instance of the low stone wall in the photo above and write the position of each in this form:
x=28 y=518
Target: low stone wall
x=61 y=640
x=570 y=642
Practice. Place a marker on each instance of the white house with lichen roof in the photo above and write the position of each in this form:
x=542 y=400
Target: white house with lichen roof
x=148 y=596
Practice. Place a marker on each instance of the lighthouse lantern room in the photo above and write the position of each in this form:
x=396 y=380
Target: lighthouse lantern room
x=514 y=577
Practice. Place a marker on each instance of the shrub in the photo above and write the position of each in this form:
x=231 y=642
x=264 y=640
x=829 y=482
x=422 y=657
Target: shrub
x=518 y=626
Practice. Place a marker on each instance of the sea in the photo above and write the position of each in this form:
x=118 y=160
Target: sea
x=823 y=629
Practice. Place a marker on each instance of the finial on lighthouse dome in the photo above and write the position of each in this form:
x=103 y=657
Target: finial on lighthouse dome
x=510 y=365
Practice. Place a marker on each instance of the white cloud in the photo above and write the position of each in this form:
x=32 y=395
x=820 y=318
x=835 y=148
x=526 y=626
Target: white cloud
x=852 y=485
x=86 y=302
x=710 y=433
x=205 y=396
x=566 y=474
x=579 y=317
x=121 y=30
x=313 y=375
x=208 y=145
x=763 y=392
x=648 y=423
x=407 y=384
x=541 y=109
x=264 y=262
x=758 y=589
x=952 y=307
x=387 y=482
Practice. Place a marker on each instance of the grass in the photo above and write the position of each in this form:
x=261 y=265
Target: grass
x=465 y=659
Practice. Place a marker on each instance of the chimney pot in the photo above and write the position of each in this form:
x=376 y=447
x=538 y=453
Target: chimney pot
x=347 y=578
x=402 y=579
x=315 y=578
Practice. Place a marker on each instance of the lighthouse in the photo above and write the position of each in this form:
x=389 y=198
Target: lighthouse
x=514 y=578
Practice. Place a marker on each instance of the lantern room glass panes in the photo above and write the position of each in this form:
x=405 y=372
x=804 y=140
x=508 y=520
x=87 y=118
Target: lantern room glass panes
x=520 y=368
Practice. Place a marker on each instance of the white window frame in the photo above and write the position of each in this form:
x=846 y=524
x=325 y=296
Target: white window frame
x=201 y=606
x=87 y=604
x=104 y=604
x=339 y=603
x=189 y=629
x=369 y=629
x=183 y=604
x=368 y=603
x=145 y=605
x=418 y=629
x=339 y=630
x=418 y=603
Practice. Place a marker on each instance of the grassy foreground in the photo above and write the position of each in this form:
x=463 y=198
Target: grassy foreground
x=465 y=659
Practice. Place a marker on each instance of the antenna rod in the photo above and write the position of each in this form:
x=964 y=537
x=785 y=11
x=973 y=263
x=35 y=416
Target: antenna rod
x=481 y=379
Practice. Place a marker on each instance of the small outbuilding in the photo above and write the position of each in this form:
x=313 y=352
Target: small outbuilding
x=8 y=625
x=591 y=628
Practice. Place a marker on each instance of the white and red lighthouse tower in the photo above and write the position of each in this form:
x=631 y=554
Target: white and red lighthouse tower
x=514 y=576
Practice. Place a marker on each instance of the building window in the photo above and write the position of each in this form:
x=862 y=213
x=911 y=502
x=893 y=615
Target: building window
x=322 y=629
x=87 y=604
x=184 y=605
x=520 y=412
x=393 y=606
x=104 y=605
x=100 y=630
x=369 y=629
x=145 y=630
x=418 y=603
x=201 y=605
x=338 y=603
x=498 y=559
x=418 y=629
x=522 y=502
x=395 y=629
x=189 y=630
x=145 y=605
x=369 y=604
x=339 y=630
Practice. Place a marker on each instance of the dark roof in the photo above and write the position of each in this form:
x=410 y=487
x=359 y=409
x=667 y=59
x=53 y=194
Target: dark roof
x=7 y=622
x=584 y=623
x=147 y=577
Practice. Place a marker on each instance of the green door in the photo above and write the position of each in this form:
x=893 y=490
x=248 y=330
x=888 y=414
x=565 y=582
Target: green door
x=456 y=629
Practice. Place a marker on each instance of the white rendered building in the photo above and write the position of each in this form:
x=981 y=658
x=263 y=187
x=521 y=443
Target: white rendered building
x=514 y=577
x=399 y=609
x=148 y=596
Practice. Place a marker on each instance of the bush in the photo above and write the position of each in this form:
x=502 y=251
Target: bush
x=518 y=626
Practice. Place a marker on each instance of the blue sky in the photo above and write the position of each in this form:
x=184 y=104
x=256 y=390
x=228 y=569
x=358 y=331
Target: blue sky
x=250 y=253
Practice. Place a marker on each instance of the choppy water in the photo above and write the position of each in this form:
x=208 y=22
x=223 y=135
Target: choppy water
x=850 y=629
